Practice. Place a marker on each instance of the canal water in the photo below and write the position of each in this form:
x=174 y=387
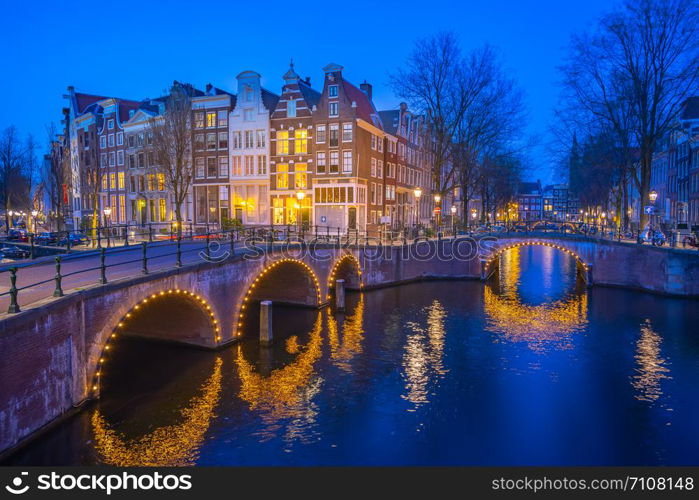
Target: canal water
x=531 y=369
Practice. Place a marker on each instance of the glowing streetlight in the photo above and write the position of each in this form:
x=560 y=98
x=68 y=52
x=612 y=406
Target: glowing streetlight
x=417 y=192
x=437 y=198
x=653 y=195
x=453 y=209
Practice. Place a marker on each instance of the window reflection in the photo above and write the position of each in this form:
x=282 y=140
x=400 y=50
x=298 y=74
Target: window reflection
x=651 y=367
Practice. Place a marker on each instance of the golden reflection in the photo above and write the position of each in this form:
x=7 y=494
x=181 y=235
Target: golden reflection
x=424 y=350
x=287 y=393
x=540 y=326
x=352 y=336
x=172 y=445
x=651 y=366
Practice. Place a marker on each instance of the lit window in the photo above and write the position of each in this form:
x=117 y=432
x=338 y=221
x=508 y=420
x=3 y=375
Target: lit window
x=210 y=119
x=112 y=181
x=301 y=136
x=161 y=182
x=151 y=182
x=282 y=142
x=282 y=176
x=300 y=176
x=122 y=180
x=291 y=109
x=163 y=209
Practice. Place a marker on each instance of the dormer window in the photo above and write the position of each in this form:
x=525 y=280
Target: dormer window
x=332 y=90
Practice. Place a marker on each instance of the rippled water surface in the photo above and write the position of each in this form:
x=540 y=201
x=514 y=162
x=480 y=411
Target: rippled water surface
x=529 y=369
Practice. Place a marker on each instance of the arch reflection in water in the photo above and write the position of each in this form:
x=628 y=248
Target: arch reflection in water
x=651 y=367
x=287 y=393
x=344 y=348
x=424 y=350
x=541 y=326
x=172 y=445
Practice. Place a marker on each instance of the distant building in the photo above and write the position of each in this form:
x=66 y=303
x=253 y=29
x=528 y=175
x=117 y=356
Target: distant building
x=530 y=201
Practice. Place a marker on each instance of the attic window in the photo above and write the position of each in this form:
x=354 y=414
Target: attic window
x=332 y=90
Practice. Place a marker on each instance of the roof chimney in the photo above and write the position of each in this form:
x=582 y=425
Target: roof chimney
x=308 y=81
x=366 y=88
x=208 y=88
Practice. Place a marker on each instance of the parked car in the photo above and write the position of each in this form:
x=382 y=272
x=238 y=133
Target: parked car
x=75 y=239
x=46 y=238
x=14 y=253
x=18 y=235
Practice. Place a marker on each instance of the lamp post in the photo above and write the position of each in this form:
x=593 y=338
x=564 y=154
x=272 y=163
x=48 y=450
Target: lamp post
x=453 y=218
x=418 y=193
x=437 y=209
x=107 y=212
x=34 y=214
x=300 y=195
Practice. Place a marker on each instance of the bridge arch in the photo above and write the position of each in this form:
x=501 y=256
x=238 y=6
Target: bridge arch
x=170 y=310
x=284 y=281
x=498 y=251
x=346 y=267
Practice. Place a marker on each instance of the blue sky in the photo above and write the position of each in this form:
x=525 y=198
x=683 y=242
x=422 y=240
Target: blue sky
x=136 y=49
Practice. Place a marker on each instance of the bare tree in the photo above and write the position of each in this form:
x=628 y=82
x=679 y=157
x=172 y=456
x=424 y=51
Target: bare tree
x=635 y=72
x=92 y=176
x=438 y=81
x=171 y=137
x=14 y=187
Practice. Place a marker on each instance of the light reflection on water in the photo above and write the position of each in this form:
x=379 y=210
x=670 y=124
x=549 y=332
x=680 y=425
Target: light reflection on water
x=532 y=368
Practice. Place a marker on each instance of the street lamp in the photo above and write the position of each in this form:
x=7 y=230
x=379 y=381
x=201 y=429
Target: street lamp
x=653 y=195
x=34 y=214
x=453 y=218
x=107 y=212
x=300 y=195
x=437 y=209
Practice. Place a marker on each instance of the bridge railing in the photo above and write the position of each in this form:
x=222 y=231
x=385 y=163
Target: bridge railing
x=31 y=279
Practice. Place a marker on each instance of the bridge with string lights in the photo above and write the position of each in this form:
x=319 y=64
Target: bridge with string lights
x=66 y=314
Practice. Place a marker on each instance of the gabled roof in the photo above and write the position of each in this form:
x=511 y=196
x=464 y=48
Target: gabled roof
x=529 y=188
x=84 y=100
x=365 y=108
x=310 y=95
x=269 y=99
x=390 y=119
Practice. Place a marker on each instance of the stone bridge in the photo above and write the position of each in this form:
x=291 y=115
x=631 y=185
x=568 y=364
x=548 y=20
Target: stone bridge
x=53 y=352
